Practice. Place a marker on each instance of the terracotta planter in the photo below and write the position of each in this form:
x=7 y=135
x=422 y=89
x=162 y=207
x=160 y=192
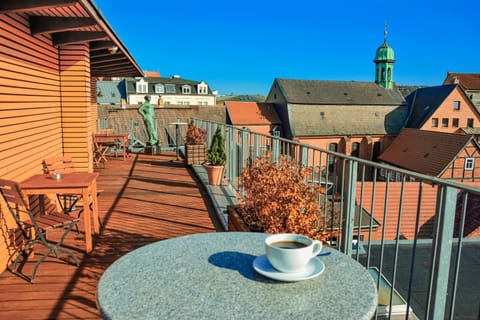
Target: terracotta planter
x=215 y=174
x=195 y=153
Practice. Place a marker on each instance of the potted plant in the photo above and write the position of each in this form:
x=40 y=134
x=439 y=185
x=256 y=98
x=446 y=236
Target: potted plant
x=216 y=159
x=195 y=148
x=278 y=199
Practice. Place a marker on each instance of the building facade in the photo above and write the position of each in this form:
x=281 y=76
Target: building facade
x=169 y=91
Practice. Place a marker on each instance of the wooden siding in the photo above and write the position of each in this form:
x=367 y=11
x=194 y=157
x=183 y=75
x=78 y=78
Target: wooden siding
x=46 y=107
x=77 y=114
x=29 y=107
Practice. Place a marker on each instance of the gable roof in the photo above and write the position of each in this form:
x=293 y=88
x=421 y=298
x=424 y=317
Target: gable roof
x=320 y=92
x=426 y=152
x=470 y=81
x=251 y=113
x=425 y=101
x=327 y=120
x=385 y=206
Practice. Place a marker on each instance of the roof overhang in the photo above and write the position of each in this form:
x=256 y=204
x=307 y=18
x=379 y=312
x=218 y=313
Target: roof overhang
x=78 y=21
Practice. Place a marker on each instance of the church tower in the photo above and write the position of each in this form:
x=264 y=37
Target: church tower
x=384 y=60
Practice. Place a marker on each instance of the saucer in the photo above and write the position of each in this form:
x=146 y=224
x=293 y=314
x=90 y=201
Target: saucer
x=314 y=268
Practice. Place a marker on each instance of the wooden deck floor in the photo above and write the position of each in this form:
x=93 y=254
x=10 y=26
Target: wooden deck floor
x=144 y=199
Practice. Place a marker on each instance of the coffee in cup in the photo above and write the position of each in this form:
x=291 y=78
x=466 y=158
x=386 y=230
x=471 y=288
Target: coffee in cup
x=288 y=252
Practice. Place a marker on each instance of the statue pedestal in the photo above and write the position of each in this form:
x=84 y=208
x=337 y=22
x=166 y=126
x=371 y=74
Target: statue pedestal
x=152 y=150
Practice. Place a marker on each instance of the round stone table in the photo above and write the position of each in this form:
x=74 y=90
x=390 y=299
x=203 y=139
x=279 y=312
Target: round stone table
x=210 y=276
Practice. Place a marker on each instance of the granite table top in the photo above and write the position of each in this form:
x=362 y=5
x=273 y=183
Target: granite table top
x=210 y=276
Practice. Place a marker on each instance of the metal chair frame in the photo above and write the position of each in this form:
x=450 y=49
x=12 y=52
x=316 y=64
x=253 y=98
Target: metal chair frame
x=41 y=224
x=62 y=164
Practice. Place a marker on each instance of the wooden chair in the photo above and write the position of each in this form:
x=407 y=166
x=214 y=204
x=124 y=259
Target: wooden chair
x=99 y=153
x=63 y=165
x=41 y=225
x=114 y=145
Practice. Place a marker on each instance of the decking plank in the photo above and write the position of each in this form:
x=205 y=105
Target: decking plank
x=144 y=199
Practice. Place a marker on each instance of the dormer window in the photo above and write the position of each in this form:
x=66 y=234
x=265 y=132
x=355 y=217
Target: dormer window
x=159 y=88
x=170 y=88
x=186 y=89
x=142 y=86
x=202 y=88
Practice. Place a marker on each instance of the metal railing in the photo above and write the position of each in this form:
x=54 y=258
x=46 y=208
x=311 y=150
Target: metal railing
x=413 y=232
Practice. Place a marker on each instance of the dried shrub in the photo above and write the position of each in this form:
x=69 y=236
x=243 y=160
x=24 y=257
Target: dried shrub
x=279 y=200
x=195 y=135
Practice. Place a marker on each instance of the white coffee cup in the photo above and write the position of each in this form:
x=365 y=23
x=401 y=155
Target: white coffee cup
x=288 y=252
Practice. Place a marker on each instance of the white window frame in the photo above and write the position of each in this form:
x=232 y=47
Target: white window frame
x=141 y=86
x=159 y=88
x=202 y=88
x=186 y=89
x=469 y=164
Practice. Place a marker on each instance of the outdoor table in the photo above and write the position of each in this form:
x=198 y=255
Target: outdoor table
x=108 y=138
x=210 y=276
x=83 y=183
x=177 y=135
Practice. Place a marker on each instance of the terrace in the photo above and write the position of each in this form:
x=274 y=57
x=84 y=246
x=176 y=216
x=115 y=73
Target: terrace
x=144 y=199
x=419 y=234
x=154 y=197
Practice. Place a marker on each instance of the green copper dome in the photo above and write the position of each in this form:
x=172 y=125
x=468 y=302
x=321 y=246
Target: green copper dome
x=384 y=53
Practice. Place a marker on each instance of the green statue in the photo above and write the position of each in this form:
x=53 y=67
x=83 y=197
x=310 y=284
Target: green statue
x=148 y=113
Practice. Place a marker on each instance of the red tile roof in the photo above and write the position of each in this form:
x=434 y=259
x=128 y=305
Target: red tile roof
x=251 y=113
x=422 y=151
x=467 y=80
x=390 y=211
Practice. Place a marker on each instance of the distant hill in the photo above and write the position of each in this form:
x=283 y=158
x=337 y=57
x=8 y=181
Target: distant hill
x=242 y=97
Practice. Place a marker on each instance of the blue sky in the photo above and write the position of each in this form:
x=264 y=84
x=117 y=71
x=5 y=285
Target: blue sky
x=241 y=46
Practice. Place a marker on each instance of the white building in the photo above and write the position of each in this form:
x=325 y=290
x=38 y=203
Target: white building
x=169 y=91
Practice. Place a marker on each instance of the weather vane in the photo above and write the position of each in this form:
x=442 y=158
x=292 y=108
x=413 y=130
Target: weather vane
x=385 y=31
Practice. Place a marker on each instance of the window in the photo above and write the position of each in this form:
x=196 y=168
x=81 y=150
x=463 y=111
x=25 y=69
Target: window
x=455 y=122
x=276 y=132
x=469 y=163
x=186 y=89
x=470 y=122
x=141 y=86
x=434 y=122
x=456 y=105
x=159 y=88
x=355 y=149
x=444 y=122
x=202 y=88
x=170 y=88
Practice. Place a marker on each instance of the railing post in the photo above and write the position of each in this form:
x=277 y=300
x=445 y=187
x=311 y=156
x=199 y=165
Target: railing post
x=442 y=250
x=256 y=146
x=275 y=150
x=349 y=193
x=304 y=152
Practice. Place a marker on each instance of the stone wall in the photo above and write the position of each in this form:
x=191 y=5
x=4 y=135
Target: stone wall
x=130 y=121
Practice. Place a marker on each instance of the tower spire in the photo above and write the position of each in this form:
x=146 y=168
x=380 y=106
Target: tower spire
x=385 y=32
x=384 y=60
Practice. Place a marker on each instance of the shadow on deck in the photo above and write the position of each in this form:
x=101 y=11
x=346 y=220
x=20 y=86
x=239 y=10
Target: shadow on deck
x=144 y=199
